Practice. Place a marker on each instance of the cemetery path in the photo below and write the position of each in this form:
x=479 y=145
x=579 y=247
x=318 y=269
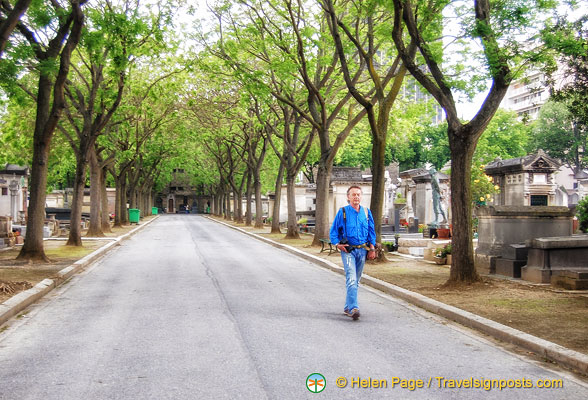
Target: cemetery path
x=190 y=309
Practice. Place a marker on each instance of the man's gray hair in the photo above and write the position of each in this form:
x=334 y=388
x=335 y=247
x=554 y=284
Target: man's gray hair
x=354 y=187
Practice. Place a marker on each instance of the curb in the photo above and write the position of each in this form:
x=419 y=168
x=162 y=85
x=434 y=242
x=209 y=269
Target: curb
x=562 y=355
x=22 y=300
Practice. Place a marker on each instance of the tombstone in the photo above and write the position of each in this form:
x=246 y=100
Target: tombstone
x=423 y=197
x=5 y=226
x=413 y=226
x=501 y=226
x=396 y=219
x=514 y=257
x=53 y=224
x=408 y=189
x=5 y=231
x=550 y=257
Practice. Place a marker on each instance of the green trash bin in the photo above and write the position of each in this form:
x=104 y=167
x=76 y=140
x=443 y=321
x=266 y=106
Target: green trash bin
x=154 y=210
x=134 y=215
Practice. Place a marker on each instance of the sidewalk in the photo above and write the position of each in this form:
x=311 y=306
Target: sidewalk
x=17 y=303
x=565 y=357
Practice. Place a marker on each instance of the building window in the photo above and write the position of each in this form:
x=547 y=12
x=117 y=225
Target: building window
x=538 y=200
x=4 y=191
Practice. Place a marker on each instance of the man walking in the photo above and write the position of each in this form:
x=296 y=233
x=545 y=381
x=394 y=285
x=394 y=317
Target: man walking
x=354 y=235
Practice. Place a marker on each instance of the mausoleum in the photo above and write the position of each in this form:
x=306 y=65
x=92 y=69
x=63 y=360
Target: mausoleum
x=524 y=181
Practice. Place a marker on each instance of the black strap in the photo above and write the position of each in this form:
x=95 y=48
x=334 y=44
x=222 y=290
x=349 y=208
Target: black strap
x=344 y=223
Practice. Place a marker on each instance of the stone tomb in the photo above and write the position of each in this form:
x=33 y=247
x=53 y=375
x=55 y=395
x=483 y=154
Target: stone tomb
x=502 y=226
x=514 y=257
x=6 y=236
x=524 y=181
x=552 y=257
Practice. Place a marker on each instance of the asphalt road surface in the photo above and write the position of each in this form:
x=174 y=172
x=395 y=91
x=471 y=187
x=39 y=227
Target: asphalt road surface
x=191 y=309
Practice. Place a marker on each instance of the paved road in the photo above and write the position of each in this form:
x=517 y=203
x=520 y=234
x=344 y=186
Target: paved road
x=191 y=309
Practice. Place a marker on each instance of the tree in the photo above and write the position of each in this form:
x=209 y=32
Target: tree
x=117 y=38
x=499 y=29
x=562 y=127
x=558 y=132
x=367 y=43
x=296 y=142
x=9 y=18
x=50 y=102
x=300 y=48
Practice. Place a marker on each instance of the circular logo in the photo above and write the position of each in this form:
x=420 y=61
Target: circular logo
x=316 y=383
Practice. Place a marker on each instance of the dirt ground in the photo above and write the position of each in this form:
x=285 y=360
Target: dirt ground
x=556 y=315
x=16 y=276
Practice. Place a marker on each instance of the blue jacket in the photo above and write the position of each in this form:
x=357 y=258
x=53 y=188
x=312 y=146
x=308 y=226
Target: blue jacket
x=358 y=230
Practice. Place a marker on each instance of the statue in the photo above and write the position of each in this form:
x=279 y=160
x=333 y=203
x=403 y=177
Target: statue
x=437 y=206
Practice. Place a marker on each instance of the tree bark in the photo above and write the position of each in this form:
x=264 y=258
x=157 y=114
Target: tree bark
x=117 y=203
x=249 y=196
x=33 y=245
x=237 y=206
x=12 y=19
x=95 y=228
x=124 y=214
x=75 y=228
x=258 y=203
x=277 y=201
x=105 y=220
x=323 y=182
x=462 y=252
x=292 y=225
x=227 y=195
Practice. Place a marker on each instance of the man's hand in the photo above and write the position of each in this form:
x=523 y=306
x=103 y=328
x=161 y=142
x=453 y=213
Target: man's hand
x=371 y=254
x=342 y=248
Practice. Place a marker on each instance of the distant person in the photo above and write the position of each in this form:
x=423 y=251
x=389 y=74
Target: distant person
x=353 y=233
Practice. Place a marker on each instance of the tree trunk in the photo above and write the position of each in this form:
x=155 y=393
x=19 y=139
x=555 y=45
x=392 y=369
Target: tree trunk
x=277 y=201
x=238 y=206
x=323 y=182
x=378 y=181
x=227 y=204
x=124 y=214
x=117 y=203
x=145 y=203
x=75 y=219
x=45 y=124
x=462 y=250
x=105 y=220
x=10 y=21
x=249 y=196
x=133 y=196
x=33 y=244
x=217 y=203
x=292 y=232
x=95 y=228
x=258 y=203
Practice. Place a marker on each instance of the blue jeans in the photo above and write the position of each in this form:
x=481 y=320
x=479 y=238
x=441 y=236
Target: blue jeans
x=353 y=263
